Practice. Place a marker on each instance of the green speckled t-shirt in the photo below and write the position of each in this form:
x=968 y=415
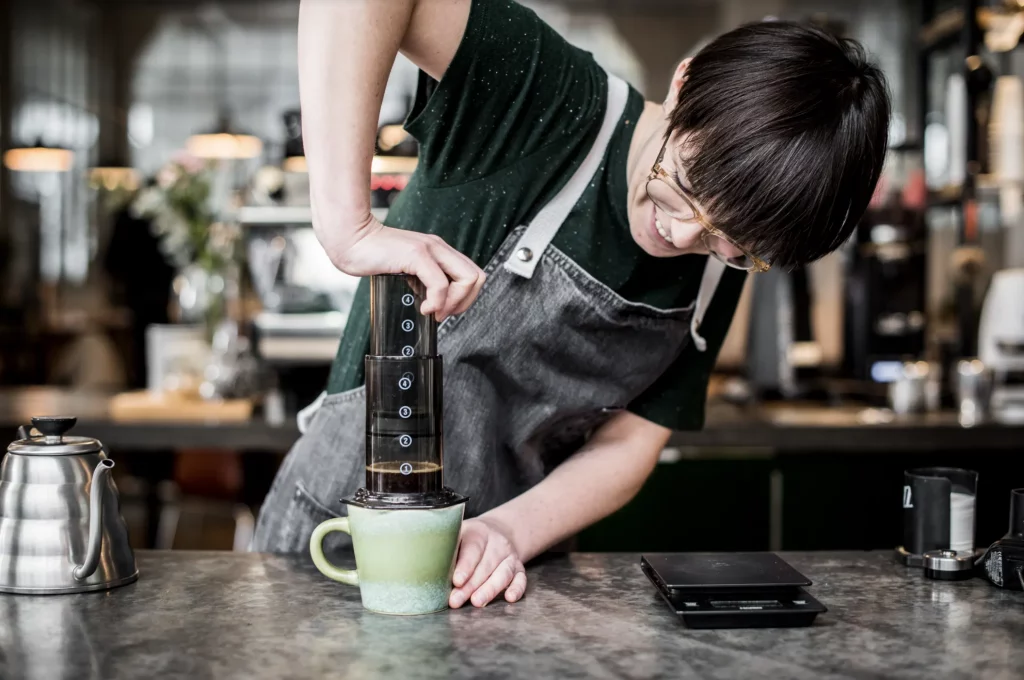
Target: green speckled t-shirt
x=511 y=119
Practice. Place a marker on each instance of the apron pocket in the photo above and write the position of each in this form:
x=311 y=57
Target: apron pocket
x=309 y=505
x=304 y=514
x=325 y=465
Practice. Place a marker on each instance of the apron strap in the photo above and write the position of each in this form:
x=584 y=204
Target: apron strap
x=541 y=231
x=713 y=271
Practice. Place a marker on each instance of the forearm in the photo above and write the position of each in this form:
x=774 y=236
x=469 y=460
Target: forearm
x=595 y=482
x=346 y=50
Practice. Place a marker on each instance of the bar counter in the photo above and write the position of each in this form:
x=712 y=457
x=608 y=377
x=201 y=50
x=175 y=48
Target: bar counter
x=794 y=428
x=237 y=615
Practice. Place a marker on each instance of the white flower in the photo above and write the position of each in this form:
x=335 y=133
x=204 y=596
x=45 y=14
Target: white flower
x=167 y=176
x=148 y=202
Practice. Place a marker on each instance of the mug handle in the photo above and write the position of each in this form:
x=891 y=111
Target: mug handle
x=316 y=549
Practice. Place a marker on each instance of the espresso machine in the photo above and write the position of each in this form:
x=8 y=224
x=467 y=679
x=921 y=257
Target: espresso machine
x=784 y=360
x=404 y=403
x=884 y=299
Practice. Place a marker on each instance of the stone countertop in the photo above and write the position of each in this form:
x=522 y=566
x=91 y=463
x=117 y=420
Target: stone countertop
x=231 y=615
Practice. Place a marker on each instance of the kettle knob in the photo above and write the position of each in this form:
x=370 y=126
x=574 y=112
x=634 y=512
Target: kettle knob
x=53 y=427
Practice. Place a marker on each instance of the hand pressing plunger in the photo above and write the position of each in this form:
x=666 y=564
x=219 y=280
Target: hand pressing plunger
x=488 y=563
x=452 y=280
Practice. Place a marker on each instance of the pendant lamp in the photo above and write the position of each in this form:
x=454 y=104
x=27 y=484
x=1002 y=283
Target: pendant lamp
x=112 y=175
x=224 y=143
x=39 y=158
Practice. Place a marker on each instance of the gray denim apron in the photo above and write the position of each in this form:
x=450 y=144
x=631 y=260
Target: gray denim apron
x=545 y=355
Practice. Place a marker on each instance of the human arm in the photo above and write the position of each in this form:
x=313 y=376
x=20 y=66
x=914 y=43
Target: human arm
x=594 y=482
x=346 y=50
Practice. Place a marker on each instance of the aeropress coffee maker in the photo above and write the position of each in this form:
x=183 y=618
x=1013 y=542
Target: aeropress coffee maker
x=404 y=523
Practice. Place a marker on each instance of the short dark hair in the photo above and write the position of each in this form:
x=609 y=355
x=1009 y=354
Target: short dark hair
x=787 y=130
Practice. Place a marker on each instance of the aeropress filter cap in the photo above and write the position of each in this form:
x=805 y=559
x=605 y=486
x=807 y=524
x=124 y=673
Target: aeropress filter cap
x=948 y=565
x=404 y=401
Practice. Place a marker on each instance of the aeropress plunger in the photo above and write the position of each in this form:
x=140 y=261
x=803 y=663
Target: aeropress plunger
x=404 y=402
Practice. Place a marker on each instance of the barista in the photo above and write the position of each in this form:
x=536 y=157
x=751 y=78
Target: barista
x=601 y=240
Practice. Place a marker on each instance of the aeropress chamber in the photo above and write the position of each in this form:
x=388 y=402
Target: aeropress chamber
x=404 y=402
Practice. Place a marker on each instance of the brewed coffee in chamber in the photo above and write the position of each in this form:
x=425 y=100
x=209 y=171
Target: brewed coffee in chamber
x=404 y=477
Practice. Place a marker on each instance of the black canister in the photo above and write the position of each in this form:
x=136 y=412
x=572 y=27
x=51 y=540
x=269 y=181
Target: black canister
x=938 y=512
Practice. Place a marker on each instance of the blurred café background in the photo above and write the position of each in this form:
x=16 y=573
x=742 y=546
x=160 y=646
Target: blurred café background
x=161 y=280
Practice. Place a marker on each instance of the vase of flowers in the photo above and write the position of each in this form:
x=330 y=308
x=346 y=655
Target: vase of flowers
x=182 y=209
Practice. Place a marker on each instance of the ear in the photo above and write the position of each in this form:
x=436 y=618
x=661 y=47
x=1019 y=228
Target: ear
x=678 y=78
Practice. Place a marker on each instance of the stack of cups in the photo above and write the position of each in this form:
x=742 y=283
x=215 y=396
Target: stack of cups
x=404 y=438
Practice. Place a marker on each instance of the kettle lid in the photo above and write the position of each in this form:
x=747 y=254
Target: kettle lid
x=52 y=440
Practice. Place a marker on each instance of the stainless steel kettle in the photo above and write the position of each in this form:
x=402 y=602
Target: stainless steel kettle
x=61 y=529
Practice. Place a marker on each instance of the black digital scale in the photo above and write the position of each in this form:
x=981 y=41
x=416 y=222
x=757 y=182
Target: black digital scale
x=732 y=590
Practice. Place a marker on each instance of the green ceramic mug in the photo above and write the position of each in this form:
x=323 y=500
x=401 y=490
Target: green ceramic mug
x=404 y=558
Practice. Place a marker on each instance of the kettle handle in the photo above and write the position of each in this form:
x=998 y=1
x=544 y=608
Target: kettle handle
x=92 y=555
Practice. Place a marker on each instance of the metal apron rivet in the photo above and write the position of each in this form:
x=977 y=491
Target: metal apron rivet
x=524 y=254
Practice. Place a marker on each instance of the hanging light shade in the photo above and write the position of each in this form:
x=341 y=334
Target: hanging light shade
x=295 y=164
x=39 y=158
x=224 y=143
x=390 y=136
x=111 y=175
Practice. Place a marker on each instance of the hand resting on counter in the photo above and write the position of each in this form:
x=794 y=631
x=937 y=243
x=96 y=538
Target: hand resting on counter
x=488 y=564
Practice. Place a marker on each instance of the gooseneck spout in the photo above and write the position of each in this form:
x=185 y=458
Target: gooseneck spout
x=92 y=555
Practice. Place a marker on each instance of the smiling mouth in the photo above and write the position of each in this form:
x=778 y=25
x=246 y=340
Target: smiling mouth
x=661 y=231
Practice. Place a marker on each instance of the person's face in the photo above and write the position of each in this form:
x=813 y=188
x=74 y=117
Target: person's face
x=655 y=231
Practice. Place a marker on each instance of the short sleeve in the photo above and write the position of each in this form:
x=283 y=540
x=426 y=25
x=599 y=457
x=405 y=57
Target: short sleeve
x=676 y=399
x=513 y=88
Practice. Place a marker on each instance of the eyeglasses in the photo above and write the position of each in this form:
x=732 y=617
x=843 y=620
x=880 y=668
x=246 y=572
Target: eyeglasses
x=671 y=199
